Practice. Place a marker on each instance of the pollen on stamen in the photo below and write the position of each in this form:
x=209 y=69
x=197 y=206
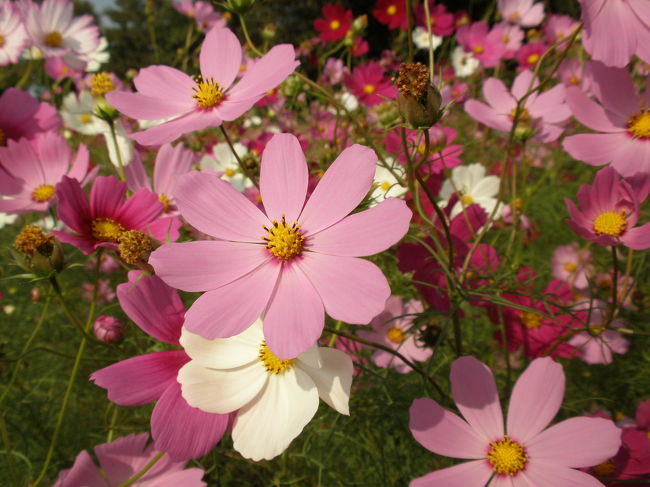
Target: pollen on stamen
x=271 y=363
x=507 y=457
x=610 y=223
x=101 y=84
x=207 y=92
x=106 y=229
x=43 y=193
x=54 y=39
x=638 y=126
x=283 y=241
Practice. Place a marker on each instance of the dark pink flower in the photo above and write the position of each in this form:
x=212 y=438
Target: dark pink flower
x=530 y=54
x=391 y=13
x=22 y=115
x=442 y=22
x=369 y=84
x=336 y=24
x=485 y=45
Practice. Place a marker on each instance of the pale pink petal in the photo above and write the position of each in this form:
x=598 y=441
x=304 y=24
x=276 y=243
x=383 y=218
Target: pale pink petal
x=221 y=56
x=551 y=474
x=498 y=96
x=136 y=174
x=205 y=265
x=488 y=116
x=121 y=458
x=576 y=442
x=283 y=178
x=366 y=233
x=165 y=83
x=353 y=290
x=550 y=105
x=340 y=190
x=535 y=399
x=54 y=155
x=170 y=131
x=594 y=149
x=588 y=112
x=615 y=89
x=142 y=107
x=214 y=207
x=232 y=308
x=155 y=307
x=83 y=472
x=21 y=161
x=79 y=167
x=475 y=393
x=190 y=477
x=171 y=162
x=522 y=84
x=141 y=379
x=165 y=230
x=468 y=474
x=183 y=431
x=444 y=433
x=637 y=238
x=295 y=317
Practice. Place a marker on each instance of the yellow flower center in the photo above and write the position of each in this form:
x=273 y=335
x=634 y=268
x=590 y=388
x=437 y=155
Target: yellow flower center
x=135 y=246
x=610 y=223
x=605 y=469
x=507 y=457
x=574 y=80
x=639 y=125
x=165 y=201
x=369 y=89
x=335 y=24
x=467 y=200
x=478 y=49
x=533 y=58
x=106 y=230
x=101 y=84
x=3 y=138
x=85 y=118
x=43 y=193
x=53 y=39
x=284 y=241
x=207 y=93
x=229 y=172
x=523 y=114
x=570 y=266
x=530 y=320
x=271 y=363
x=385 y=186
x=514 y=15
x=391 y=10
x=395 y=335
x=2 y=41
x=505 y=39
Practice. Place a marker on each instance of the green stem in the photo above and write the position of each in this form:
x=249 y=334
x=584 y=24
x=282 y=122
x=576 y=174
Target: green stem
x=118 y=153
x=248 y=37
x=8 y=452
x=142 y=472
x=242 y=166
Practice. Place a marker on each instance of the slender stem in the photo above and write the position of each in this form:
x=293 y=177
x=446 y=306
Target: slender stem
x=392 y=352
x=427 y=15
x=142 y=472
x=242 y=166
x=612 y=312
x=118 y=153
x=26 y=347
x=248 y=37
x=409 y=30
x=10 y=458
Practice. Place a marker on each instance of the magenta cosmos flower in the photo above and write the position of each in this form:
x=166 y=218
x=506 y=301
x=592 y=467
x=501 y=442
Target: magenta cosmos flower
x=210 y=98
x=22 y=115
x=29 y=171
x=121 y=459
x=542 y=112
x=368 y=83
x=524 y=453
x=605 y=20
x=291 y=262
x=622 y=118
x=100 y=221
x=177 y=428
x=610 y=209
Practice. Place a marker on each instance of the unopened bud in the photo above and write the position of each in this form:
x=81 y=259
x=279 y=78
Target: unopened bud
x=360 y=23
x=108 y=329
x=38 y=252
x=418 y=101
x=268 y=33
x=240 y=6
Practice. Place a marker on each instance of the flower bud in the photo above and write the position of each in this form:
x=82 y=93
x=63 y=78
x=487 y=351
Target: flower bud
x=35 y=294
x=108 y=329
x=38 y=252
x=268 y=33
x=240 y=6
x=360 y=23
x=418 y=101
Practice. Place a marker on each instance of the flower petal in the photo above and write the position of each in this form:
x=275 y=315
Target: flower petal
x=221 y=56
x=353 y=290
x=444 y=433
x=83 y=472
x=107 y=197
x=535 y=399
x=214 y=207
x=264 y=428
x=170 y=131
x=576 y=442
x=294 y=319
x=72 y=206
x=182 y=431
x=340 y=190
x=333 y=378
x=542 y=473
x=283 y=178
x=366 y=233
x=475 y=393
x=475 y=473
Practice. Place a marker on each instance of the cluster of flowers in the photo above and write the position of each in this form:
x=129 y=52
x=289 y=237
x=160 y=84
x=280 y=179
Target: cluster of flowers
x=278 y=242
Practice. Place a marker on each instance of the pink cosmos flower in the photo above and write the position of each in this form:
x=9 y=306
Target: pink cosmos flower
x=56 y=32
x=359 y=47
x=605 y=20
x=512 y=38
x=22 y=115
x=336 y=24
x=522 y=12
x=391 y=13
x=392 y=328
x=484 y=44
x=292 y=262
x=121 y=459
x=573 y=73
x=29 y=171
x=520 y=453
x=621 y=118
x=99 y=222
x=598 y=345
x=13 y=37
x=572 y=265
x=610 y=209
x=369 y=84
x=171 y=162
x=177 y=428
x=442 y=22
x=558 y=27
x=105 y=292
x=542 y=112
x=530 y=54
x=202 y=12
x=443 y=154
x=208 y=100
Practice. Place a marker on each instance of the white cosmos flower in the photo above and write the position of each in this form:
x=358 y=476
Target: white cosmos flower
x=275 y=398
x=464 y=62
x=79 y=114
x=421 y=39
x=224 y=161
x=99 y=56
x=7 y=219
x=385 y=184
x=473 y=186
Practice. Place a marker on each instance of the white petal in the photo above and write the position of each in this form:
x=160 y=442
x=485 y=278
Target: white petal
x=224 y=353
x=221 y=391
x=264 y=428
x=311 y=357
x=333 y=379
